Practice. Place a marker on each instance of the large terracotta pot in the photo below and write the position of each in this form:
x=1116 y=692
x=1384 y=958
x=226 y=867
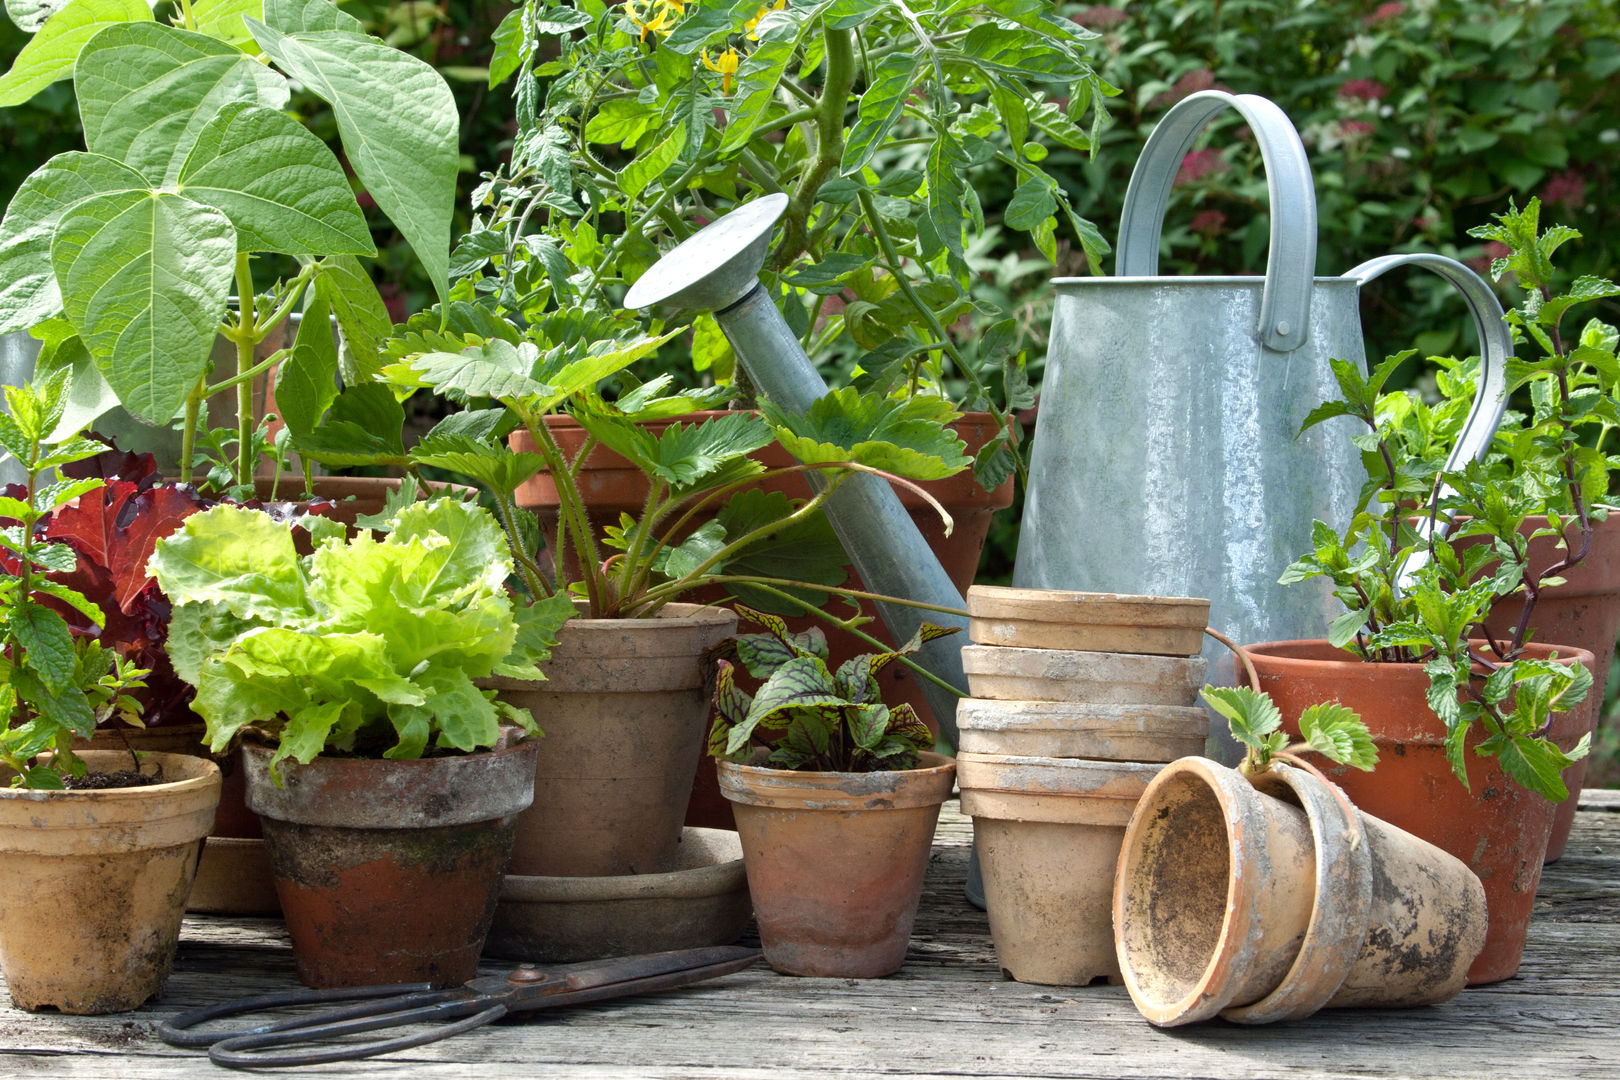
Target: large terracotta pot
x=1496 y=827
x=836 y=861
x=1265 y=901
x=388 y=871
x=95 y=882
x=1583 y=612
x=624 y=706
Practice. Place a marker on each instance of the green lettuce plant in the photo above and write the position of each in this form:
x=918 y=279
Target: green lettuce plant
x=1550 y=462
x=57 y=685
x=123 y=258
x=366 y=647
x=825 y=720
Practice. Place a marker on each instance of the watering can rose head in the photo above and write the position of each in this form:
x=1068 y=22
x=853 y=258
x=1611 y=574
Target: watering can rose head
x=367 y=647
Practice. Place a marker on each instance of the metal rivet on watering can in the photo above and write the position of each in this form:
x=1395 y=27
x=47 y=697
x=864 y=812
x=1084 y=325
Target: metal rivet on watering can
x=1167 y=458
x=718 y=268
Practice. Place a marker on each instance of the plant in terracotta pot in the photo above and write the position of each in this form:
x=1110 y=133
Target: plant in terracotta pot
x=123 y=258
x=836 y=809
x=1504 y=716
x=388 y=782
x=1261 y=894
x=98 y=828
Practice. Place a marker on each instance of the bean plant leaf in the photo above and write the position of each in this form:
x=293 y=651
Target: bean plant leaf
x=29 y=15
x=399 y=125
x=1338 y=734
x=145 y=277
x=146 y=90
x=50 y=54
x=903 y=436
x=279 y=184
x=295 y=16
x=306 y=382
x=362 y=317
x=223 y=19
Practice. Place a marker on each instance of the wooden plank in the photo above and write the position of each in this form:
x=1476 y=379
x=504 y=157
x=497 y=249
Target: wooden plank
x=947 y=1014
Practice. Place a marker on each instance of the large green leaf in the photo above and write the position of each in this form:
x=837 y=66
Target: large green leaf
x=399 y=125
x=902 y=436
x=294 y=16
x=30 y=15
x=280 y=185
x=361 y=315
x=146 y=90
x=28 y=291
x=51 y=54
x=307 y=381
x=223 y=19
x=145 y=278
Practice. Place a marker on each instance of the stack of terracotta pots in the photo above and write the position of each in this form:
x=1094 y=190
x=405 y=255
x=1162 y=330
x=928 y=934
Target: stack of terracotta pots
x=1079 y=699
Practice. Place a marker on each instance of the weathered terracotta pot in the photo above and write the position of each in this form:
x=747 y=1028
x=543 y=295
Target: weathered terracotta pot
x=94 y=883
x=1496 y=827
x=836 y=861
x=1068 y=729
x=1263 y=905
x=1010 y=674
x=1086 y=622
x=624 y=706
x=1048 y=833
x=1583 y=612
x=388 y=871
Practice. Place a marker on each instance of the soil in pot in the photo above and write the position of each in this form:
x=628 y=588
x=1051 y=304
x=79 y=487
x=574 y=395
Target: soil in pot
x=1497 y=828
x=836 y=861
x=121 y=860
x=389 y=871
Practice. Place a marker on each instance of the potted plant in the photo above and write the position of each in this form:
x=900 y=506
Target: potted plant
x=1482 y=725
x=1260 y=894
x=388 y=783
x=102 y=830
x=123 y=258
x=837 y=811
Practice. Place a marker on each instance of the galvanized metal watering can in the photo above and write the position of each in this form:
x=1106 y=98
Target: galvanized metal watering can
x=1165 y=456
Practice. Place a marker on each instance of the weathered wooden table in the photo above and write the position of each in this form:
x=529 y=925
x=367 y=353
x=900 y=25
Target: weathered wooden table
x=949 y=1013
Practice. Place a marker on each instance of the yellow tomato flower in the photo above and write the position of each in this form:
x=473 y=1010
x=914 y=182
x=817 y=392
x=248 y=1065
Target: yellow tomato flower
x=752 y=25
x=656 y=16
x=726 y=66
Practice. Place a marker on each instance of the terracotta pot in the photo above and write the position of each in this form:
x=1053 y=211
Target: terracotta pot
x=95 y=883
x=1583 y=612
x=836 y=861
x=1048 y=833
x=1496 y=827
x=1266 y=905
x=388 y=871
x=1008 y=674
x=1086 y=622
x=1067 y=729
x=611 y=486
x=624 y=707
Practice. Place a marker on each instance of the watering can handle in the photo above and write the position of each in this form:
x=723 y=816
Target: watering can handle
x=1495 y=347
x=1291 y=263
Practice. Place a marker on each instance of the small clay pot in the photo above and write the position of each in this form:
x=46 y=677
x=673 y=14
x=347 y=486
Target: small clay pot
x=95 y=883
x=836 y=861
x=1009 y=674
x=1269 y=905
x=1048 y=833
x=1087 y=622
x=624 y=706
x=388 y=871
x=1067 y=729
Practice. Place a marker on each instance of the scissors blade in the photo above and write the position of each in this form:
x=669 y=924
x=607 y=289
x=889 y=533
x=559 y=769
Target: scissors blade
x=599 y=980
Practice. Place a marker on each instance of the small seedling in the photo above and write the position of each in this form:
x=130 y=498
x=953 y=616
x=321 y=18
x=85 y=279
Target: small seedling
x=1332 y=730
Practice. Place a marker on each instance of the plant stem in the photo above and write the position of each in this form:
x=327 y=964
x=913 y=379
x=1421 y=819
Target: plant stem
x=247 y=338
x=839 y=78
x=188 y=438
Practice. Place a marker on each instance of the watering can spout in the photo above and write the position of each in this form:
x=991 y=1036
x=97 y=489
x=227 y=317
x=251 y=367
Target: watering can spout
x=717 y=269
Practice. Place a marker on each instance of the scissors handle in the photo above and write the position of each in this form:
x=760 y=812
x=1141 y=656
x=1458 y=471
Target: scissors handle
x=176 y=1030
x=265 y=1049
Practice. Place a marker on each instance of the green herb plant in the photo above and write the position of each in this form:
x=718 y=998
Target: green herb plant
x=1332 y=730
x=57 y=685
x=1550 y=462
x=365 y=647
x=879 y=119
x=825 y=720
x=123 y=258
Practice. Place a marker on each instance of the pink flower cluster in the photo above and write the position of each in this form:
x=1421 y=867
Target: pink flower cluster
x=1385 y=12
x=1567 y=189
x=1494 y=249
x=1199 y=164
x=1363 y=89
x=1191 y=83
x=1100 y=17
x=1355 y=129
x=1209 y=223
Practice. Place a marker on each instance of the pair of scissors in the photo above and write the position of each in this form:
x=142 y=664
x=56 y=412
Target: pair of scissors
x=453 y=1010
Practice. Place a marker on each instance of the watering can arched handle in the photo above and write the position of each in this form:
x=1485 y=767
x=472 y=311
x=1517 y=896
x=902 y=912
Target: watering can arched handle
x=1495 y=347
x=1291 y=263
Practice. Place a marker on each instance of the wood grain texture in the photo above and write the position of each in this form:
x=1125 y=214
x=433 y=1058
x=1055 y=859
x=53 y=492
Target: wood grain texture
x=948 y=1013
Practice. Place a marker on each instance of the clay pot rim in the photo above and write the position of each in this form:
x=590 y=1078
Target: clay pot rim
x=1082 y=608
x=1300 y=652
x=207 y=776
x=934 y=774
x=1146 y=769
x=711 y=877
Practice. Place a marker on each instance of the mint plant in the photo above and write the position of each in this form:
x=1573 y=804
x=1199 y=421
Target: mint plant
x=123 y=258
x=1550 y=462
x=827 y=721
x=366 y=647
x=58 y=685
x=1329 y=729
